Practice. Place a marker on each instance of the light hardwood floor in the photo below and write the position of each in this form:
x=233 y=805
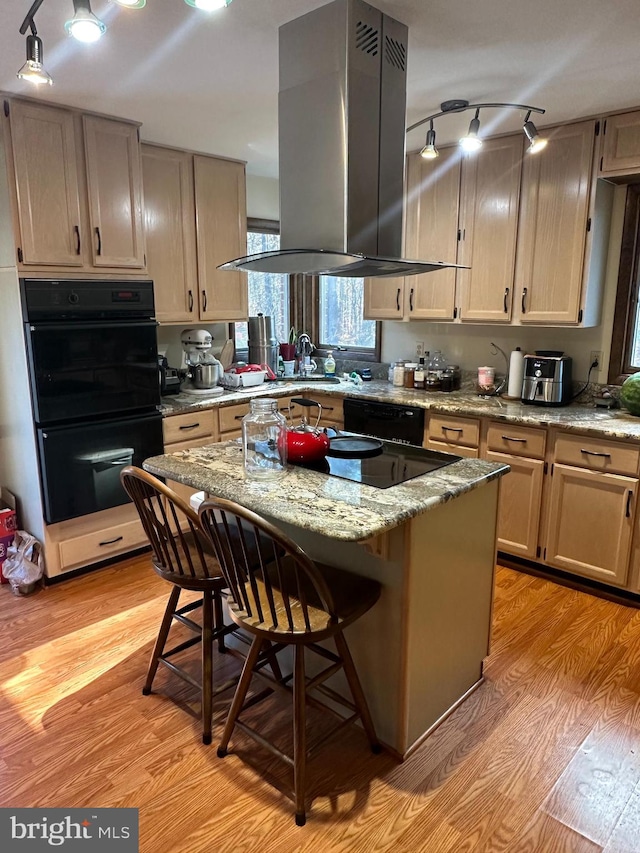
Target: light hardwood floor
x=545 y=756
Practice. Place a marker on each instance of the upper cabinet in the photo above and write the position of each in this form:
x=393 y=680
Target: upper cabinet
x=620 y=145
x=114 y=181
x=77 y=186
x=195 y=219
x=557 y=214
x=533 y=231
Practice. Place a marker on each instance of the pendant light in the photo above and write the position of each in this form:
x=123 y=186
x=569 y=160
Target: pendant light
x=84 y=26
x=33 y=70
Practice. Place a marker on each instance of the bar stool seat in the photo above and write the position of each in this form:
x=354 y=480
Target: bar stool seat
x=288 y=600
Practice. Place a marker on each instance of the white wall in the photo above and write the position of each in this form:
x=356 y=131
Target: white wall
x=469 y=345
x=263 y=201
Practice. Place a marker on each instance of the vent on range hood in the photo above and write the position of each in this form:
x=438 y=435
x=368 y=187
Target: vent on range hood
x=341 y=131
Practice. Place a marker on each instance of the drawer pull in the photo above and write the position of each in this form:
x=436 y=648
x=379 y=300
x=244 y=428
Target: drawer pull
x=190 y=426
x=238 y=417
x=629 y=496
x=595 y=453
x=452 y=429
x=511 y=438
x=111 y=541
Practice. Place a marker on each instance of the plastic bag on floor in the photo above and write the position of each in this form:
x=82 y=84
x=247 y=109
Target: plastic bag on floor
x=24 y=565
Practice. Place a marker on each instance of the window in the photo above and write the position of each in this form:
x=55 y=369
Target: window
x=625 y=341
x=328 y=308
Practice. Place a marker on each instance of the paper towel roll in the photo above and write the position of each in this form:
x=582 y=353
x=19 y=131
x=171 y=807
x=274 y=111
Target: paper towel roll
x=516 y=373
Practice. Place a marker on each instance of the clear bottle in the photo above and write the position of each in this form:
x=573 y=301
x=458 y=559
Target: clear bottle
x=437 y=363
x=264 y=440
x=329 y=365
x=398 y=373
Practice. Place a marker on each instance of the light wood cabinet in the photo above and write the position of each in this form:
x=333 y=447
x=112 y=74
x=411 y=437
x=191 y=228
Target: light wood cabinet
x=77 y=188
x=170 y=230
x=520 y=506
x=590 y=523
x=453 y=430
x=46 y=178
x=488 y=224
x=621 y=145
x=555 y=217
x=195 y=219
x=182 y=432
x=114 y=181
x=221 y=231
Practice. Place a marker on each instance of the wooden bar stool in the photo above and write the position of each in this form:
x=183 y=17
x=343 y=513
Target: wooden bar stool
x=286 y=599
x=180 y=557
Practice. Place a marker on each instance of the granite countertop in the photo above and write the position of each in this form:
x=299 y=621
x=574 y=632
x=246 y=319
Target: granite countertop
x=616 y=423
x=317 y=502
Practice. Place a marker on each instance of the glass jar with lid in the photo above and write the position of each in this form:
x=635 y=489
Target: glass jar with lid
x=264 y=440
x=398 y=373
x=409 y=372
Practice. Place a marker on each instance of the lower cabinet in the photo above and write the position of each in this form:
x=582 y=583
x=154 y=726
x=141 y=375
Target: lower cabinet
x=520 y=504
x=590 y=523
x=449 y=434
x=182 y=432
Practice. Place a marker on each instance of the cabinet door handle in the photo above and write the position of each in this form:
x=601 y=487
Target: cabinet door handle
x=511 y=438
x=629 y=496
x=110 y=541
x=524 y=297
x=191 y=300
x=76 y=231
x=595 y=453
x=506 y=296
x=99 y=249
x=398 y=300
x=452 y=429
x=190 y=426
x=204 y=300
x=411 y=300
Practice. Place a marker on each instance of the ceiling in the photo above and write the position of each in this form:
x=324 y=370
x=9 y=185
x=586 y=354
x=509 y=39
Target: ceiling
x=209 y=82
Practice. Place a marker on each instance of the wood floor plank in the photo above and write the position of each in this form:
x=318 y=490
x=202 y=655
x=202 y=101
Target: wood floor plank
x=550 y=731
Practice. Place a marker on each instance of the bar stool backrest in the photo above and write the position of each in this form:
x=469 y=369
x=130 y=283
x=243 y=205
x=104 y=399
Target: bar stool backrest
x=283 y=591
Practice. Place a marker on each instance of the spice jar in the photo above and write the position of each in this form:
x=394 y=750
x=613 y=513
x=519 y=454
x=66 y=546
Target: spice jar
x=398 y=373
x=432 y=382
x=264 y=440
x=409 y=372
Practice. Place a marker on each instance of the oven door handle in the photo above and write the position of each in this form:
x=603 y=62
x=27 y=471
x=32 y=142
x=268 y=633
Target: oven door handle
x=89 y=324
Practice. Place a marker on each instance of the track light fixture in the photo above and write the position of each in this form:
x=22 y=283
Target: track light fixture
x=84 y=26
x=471 y=141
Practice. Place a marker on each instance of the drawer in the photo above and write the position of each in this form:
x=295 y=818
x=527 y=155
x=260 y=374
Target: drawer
x=191 y=425
x=517 y=440
x=101 y=544
x=331 y=407
x=597 y=455
x=230 y=417
x=448 y=447
x=453 y=430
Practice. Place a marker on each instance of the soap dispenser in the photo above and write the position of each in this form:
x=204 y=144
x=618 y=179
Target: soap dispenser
x=329 y=365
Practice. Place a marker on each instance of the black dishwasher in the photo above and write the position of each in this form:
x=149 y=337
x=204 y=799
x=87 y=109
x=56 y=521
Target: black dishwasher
x=385 y=420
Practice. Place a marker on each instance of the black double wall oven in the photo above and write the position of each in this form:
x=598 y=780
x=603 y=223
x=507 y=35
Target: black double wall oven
x=93 y=370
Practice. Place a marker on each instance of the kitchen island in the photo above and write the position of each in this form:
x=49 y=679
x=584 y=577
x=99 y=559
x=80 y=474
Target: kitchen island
x=430 y=542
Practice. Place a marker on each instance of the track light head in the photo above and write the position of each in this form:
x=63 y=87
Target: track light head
x=472 y=142
x=430 y=152
x=208 y=5
x=536 y=142
x=33 y=70
x=84 y=26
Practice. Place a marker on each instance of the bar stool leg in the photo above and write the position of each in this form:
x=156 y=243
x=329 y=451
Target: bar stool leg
x=207 y=665
x=357 y=691
x=163 y=633
x=299 y=734
x=240 y=695
x=219 y=621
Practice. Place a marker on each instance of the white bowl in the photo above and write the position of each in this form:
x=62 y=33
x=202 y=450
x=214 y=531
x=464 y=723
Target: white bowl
x=244 y=380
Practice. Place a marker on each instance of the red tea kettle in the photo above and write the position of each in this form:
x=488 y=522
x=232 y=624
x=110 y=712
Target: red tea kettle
x=306 y=443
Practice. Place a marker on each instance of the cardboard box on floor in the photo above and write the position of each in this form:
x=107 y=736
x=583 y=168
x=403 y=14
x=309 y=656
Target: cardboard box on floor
x=8 y=525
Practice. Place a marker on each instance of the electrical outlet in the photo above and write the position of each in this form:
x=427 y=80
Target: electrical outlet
x=596 y=356
x=419 y=349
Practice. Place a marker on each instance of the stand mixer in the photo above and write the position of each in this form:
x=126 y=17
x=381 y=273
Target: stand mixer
x=204 y=369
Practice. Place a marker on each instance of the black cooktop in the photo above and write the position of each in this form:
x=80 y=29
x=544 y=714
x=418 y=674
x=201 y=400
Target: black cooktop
x=395 y=464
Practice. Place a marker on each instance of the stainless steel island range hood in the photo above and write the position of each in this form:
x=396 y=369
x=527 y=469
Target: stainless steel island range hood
x=341 y=130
